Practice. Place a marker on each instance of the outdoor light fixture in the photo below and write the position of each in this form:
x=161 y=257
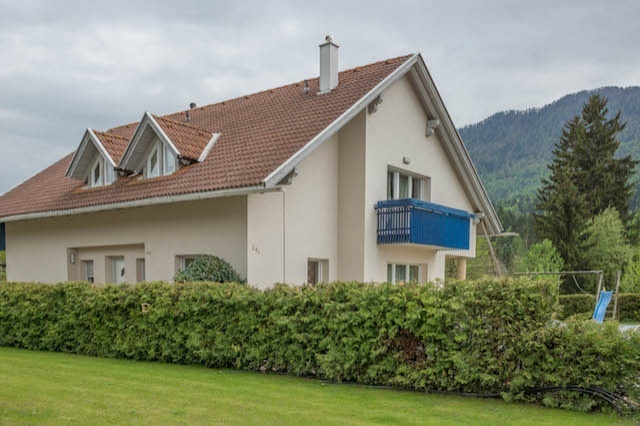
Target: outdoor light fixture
x=432 y=125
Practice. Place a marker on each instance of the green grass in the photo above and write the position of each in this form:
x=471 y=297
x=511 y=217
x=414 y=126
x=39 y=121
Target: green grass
x=43 y=387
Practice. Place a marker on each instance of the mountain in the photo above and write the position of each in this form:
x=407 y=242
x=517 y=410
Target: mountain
x=511 y=149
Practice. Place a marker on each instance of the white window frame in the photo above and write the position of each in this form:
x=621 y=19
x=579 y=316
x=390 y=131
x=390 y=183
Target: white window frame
x=322 y=270
x=396 y=173
x=150 y=173
x=181 y=260
x=167 y=161
x=407 y=272
x=85 y=270
x=93 y=183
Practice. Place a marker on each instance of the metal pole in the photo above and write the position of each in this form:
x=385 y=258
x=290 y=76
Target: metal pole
x=615 y=300
x=494 y=260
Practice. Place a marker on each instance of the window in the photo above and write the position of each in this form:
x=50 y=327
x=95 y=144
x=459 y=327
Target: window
x=109 y=174
x=117 y=269
x=169 y=161
x=160 y=162
x=153 y=163
x=140 y=270
x=402 y=185
x=101 y=173
x=87 y=271
x=400 y=273
x=95 y=178
x=183 y=262
x=317 y=271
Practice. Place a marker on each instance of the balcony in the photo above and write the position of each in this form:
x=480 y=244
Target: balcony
x=411 y=221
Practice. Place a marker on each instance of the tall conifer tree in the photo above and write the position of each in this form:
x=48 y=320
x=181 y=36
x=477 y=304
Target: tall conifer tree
x=586 y=178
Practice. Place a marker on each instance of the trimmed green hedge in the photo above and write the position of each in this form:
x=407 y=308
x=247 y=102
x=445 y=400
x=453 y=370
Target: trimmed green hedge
x=573 y=304
x=483 y=336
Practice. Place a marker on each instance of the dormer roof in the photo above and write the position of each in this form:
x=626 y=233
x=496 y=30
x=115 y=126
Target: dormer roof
x=90 y=146
x=187 y=142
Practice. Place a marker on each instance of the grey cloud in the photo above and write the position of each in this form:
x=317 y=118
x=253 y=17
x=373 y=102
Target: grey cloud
x=67 y=65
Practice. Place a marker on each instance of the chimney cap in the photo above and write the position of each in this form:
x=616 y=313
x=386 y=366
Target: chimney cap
x=329 y=40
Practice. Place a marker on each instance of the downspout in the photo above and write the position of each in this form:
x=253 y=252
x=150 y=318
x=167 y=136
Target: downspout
x=284 y=235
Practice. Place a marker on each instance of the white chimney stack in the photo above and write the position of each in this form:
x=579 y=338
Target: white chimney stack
x=328 y=65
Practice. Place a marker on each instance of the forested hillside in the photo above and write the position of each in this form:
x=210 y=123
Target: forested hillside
x=512 y=149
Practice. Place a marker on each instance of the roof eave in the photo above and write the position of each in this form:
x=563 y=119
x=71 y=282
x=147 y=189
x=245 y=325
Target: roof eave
x=194 y=196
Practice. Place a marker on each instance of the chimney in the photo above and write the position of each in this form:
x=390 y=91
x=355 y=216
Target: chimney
x=328 y=65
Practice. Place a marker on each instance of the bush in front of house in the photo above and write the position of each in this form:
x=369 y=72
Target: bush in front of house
x=208 y=268
x=483 y=336
x=576 y=304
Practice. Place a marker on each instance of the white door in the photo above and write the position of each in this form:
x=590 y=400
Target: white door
x=118 y=270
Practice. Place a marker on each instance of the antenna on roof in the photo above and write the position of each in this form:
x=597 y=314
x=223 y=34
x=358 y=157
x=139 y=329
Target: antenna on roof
x=306 y=86
x=187 y=115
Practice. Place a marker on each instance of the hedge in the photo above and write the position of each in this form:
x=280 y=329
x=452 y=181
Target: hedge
x=486 y=336
x=628 y=305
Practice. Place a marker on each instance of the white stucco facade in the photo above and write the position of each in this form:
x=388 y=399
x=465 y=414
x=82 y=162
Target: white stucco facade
x=323 y=212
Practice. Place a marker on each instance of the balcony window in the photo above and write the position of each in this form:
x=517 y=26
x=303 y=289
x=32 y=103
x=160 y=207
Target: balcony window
x=401 y=185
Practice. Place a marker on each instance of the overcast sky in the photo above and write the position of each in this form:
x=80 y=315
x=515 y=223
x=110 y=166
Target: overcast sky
x=68 y=65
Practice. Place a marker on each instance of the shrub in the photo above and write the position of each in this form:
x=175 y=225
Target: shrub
x=208 y=268
x=574 y=304
x=484 y=336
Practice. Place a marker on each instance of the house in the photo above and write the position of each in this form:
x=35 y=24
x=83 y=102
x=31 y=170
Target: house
x=355 y=175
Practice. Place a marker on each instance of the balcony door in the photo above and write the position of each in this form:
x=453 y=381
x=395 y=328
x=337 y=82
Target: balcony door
x=402 y=185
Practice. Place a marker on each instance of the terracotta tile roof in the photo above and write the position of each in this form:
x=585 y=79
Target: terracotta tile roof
x=190 y=140
x=259 y=132
x=114 y=144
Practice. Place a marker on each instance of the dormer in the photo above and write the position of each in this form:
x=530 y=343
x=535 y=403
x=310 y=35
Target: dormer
x=160 y=146
x=96 y=158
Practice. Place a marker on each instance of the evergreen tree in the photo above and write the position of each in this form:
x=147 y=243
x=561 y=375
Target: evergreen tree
x=586 y=179
x=562 y=208
x=604 y=179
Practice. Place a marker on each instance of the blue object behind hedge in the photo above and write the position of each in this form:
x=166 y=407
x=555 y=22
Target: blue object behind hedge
x=601 y=306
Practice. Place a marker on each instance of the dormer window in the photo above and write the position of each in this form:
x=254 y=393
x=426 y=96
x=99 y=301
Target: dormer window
x=153 y=163
x=93 y=161
x=100 y=174
x=159 y=146
x=96 y=174
x=161 y=161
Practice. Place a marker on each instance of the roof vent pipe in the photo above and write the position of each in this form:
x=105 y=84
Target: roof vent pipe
x=328 y=65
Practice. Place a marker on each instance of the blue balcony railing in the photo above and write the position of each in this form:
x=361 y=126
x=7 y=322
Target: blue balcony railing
x=411 y=221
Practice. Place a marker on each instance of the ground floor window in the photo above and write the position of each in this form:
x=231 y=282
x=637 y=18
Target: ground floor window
x=87 y=271
x=183 y=261
x=317 y=271
x=118 y=269
x=140 y=270
x=401 y=273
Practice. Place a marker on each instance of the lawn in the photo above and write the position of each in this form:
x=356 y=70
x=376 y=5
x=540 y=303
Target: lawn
x=39 y=387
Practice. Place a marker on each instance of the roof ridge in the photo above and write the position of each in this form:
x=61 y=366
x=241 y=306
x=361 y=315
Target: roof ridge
x=294 y=83
x=359 y=67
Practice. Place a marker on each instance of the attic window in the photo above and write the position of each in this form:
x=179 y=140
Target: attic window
x=96 y=173
x=161 y=161
x=101 y=173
